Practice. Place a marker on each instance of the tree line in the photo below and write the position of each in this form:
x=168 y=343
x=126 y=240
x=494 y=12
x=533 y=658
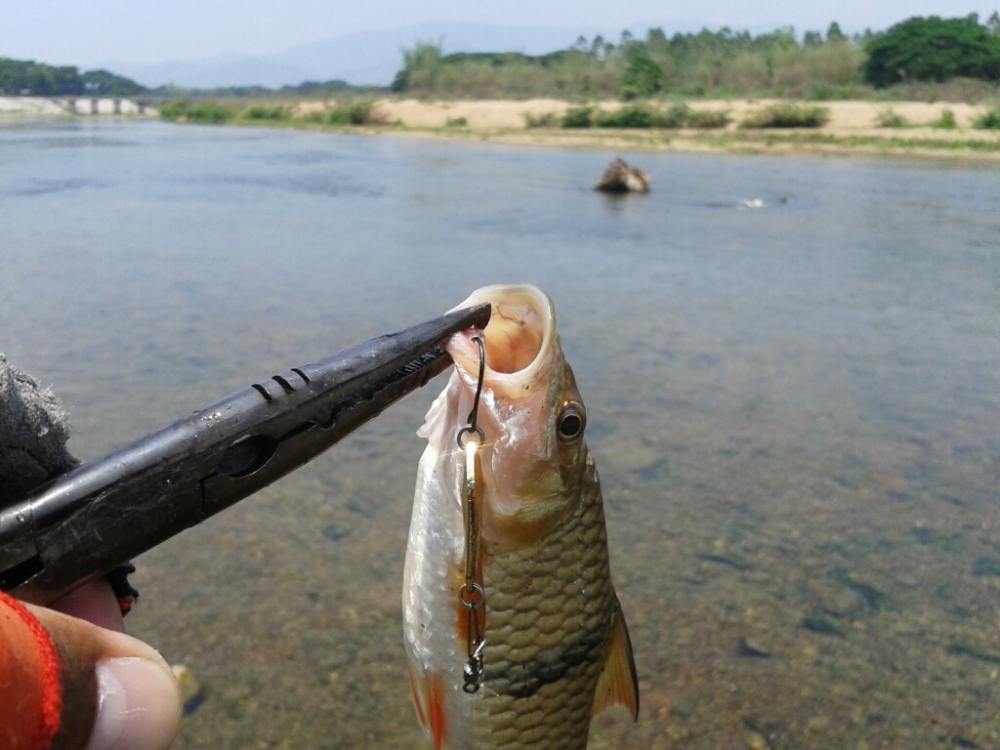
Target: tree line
x=30 y=78
x=724 y=62
x=27 y=77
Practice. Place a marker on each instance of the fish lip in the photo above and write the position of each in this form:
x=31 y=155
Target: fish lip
x=494 y=295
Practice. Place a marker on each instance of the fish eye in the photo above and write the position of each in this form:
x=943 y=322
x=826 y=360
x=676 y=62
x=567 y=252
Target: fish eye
x=571 y=422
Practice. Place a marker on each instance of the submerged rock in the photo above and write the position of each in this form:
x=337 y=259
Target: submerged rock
x=621 y=177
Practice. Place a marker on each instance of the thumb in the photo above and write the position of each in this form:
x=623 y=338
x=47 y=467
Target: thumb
x=117 y=692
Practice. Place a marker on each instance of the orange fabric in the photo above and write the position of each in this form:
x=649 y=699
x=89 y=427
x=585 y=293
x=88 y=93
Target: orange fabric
x=30 y=690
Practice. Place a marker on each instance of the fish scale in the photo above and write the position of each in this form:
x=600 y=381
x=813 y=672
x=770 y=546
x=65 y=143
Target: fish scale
x=568 y=567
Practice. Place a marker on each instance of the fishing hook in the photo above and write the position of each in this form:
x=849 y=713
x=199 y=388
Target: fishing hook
x=474 y=414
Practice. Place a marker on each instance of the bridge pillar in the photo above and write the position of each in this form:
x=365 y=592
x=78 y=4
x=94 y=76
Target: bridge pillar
x=117 y=106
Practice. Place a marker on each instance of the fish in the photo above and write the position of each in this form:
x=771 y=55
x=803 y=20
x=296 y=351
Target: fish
x=555 y=646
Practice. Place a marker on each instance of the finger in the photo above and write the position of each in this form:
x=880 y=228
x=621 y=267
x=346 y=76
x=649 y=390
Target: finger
x=94 y=602
x=118 y=693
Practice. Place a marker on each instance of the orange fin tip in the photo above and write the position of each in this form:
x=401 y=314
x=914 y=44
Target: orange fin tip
x=428 y=700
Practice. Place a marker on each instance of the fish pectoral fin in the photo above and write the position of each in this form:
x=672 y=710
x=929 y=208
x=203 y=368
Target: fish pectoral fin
x=618 y=682
x=428 y=700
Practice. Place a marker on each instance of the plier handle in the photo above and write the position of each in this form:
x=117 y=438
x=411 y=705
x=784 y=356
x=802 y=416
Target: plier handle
x=106 y=512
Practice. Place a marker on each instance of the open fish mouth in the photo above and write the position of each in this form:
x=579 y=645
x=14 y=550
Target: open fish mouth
x=519 y=339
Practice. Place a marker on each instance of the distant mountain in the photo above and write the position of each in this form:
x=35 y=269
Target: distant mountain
x=214 y=72
x=367 y=58
x=375 y=57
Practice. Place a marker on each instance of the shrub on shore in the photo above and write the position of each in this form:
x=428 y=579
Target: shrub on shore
x=945 y=121
x=707 y=119
x=632 y=116
x=787 y=115
x=543 y=120
x=640 y=116
x=355 y=113
x=678 y=116
x=263 y=113
x=890 y=119
x=359 y=112
x=456 y=122
x=989 y=120
x=205 y=112
x=578 y=117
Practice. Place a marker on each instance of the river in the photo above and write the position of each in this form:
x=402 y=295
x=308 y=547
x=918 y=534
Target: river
x=795 y=410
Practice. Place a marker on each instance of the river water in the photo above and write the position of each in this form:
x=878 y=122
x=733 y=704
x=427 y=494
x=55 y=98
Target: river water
x=795 y=410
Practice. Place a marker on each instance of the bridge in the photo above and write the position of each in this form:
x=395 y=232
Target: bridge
x=79 y=105
x=91 y=105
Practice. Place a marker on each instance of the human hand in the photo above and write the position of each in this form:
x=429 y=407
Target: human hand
x=117 y=692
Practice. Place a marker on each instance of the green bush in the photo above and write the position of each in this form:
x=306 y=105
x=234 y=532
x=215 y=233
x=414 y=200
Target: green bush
x=261 y=112
x=633 y=116
x=354 y=113
x=544 y=120
x=946 y=120
x=708 y=119
x=787 y=115
x=212 y=113
x=456 y=122
x=989 y=120
x=173 y=110
x=578 y=117
x=678 y=116
x=890 y=119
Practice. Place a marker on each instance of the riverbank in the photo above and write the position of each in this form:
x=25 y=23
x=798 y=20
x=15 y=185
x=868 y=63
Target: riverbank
x=938 y=130
x=914 y=128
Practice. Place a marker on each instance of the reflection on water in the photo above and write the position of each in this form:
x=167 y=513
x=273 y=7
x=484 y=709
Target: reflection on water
x=794 y=409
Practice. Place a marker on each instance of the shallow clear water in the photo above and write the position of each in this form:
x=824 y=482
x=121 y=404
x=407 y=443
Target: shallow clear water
x=795 y=410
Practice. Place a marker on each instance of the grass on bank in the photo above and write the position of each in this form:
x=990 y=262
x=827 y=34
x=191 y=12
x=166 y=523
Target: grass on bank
x=358 y=112
x=751 y=139
x=891 y=119
x=211 y=113
x=787 y=115
x=782 y=115
x=989 y=121
x=638 y=116
x=945 y=121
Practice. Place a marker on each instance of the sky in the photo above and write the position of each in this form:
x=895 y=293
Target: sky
x=86 y=32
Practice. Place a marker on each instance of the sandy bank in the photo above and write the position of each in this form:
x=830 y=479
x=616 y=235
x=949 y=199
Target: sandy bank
x=853 y=127
x=844 y=115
